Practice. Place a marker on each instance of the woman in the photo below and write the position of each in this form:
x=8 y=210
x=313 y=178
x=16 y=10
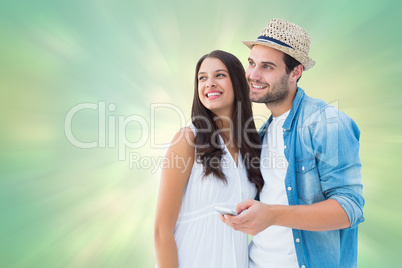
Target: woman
x=214 y=162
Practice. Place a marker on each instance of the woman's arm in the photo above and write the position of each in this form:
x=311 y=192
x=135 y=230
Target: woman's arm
x=176 y=170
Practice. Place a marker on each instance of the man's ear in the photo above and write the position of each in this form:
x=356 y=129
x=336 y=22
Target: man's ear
x=296 y=73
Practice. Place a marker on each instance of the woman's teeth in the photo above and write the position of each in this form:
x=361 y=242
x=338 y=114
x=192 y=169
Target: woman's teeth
x=213 y=94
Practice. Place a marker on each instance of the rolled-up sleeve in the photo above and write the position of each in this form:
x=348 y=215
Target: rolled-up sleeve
x=335 y=139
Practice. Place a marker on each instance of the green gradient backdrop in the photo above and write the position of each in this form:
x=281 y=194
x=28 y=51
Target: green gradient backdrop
x=64 y=206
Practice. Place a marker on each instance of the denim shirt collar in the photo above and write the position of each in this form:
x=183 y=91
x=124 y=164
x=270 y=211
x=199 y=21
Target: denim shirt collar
x=295 y=106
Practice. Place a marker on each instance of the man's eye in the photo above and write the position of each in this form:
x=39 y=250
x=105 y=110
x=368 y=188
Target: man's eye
x=267 y=67
x=251 y=63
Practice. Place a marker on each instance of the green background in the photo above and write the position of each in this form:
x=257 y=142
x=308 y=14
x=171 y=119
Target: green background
x=64 y=206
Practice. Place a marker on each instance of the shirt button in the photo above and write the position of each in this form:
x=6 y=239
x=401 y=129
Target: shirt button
x=297 y=240
x=303 y=266
x=284 y=147
x=289 y=188
x=302 y=167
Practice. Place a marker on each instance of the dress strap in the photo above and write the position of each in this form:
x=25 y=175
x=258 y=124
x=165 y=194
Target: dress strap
x=193 y=129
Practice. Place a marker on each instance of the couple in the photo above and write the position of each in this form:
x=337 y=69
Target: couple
x=299 y=194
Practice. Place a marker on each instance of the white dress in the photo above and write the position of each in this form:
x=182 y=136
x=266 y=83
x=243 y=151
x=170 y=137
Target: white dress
x=202 y=239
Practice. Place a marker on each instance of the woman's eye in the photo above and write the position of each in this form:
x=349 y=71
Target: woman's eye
x=220 y=75
x=201 y=78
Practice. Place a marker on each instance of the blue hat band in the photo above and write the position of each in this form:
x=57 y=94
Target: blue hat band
x=272 y=41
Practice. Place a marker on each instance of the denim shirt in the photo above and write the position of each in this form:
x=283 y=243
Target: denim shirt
x=322 y=149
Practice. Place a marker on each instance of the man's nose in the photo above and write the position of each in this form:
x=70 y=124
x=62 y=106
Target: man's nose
x=254 y=74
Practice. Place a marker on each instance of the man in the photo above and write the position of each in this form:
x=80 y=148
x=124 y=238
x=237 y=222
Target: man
x=311 y=203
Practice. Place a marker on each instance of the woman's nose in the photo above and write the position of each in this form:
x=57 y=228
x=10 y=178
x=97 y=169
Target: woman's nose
x=210 y=82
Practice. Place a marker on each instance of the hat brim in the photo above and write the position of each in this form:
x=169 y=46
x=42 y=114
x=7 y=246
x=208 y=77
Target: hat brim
x=306 y=61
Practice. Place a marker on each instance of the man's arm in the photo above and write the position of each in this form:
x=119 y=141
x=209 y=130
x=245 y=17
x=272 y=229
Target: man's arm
x=335 y=141
x=322 y=216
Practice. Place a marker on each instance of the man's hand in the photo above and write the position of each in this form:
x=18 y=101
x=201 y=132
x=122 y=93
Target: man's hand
x=255 y=219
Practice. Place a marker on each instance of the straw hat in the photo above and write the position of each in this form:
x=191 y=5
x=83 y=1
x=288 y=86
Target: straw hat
x=288 y=38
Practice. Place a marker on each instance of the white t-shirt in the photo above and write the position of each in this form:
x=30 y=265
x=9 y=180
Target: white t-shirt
x=274 y=247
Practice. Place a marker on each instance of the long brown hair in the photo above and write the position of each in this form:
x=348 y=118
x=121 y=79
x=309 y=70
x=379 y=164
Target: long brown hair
x=208 y=147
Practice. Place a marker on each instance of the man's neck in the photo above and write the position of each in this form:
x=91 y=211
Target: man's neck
x=278 y=109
